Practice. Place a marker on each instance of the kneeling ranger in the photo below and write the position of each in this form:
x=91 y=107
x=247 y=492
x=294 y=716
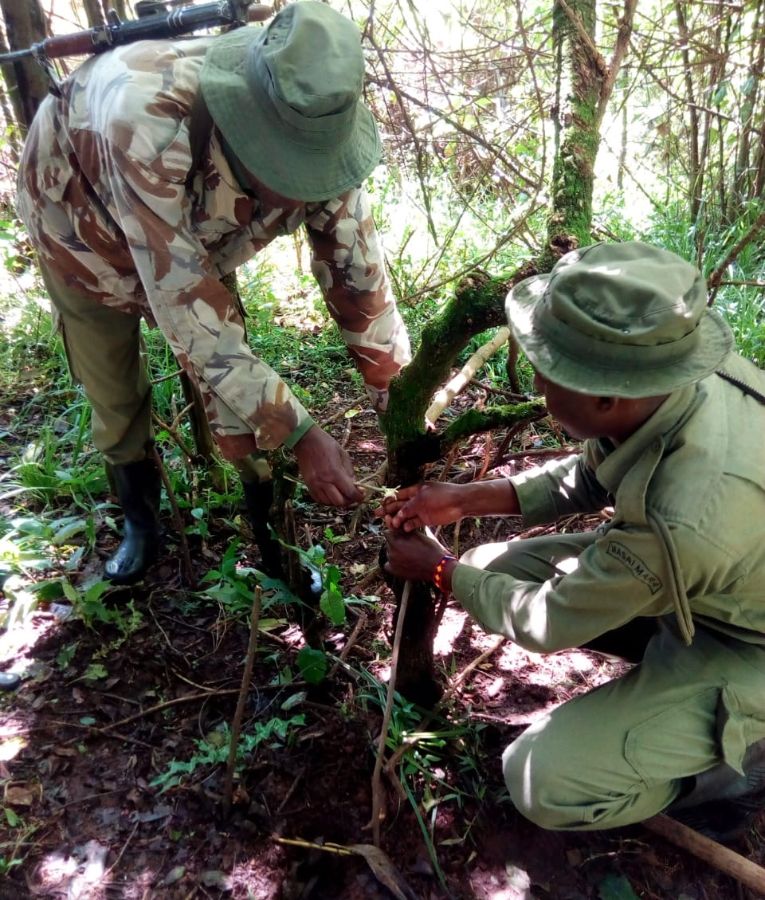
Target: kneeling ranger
x=632 y=362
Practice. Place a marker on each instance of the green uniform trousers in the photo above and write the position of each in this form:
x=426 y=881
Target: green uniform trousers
x=106 y=356
x=104 y=350
x=620 y=753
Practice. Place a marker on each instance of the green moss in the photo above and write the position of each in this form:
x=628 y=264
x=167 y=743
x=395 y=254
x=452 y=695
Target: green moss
x=573 y=173
x=478 y=304
x=475 y=421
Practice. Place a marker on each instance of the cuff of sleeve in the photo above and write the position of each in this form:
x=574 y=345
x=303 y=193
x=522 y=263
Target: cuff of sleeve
x=537 y=506
x=478 y=593
x=306 y=424
x=465 y=580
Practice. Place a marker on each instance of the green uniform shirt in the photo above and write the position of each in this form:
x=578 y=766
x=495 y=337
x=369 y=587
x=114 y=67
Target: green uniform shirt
x=687 y=536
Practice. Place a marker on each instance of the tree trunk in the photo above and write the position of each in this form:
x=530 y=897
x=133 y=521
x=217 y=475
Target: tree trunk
x=577 y=136
x=27 y=83
x=477 y=305
x=94 y=13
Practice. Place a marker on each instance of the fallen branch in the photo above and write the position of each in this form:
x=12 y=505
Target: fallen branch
x=719 y=857
x=236 y=725
x=158 y=707
x=460 y=381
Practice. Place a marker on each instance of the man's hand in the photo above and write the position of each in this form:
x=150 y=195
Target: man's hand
x=326 y=469
x=432 y=503
x=414 y=556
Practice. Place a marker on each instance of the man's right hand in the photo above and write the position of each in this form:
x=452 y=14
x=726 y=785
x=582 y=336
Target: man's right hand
x=437 y=503
x=326 y=469
x=432 y=503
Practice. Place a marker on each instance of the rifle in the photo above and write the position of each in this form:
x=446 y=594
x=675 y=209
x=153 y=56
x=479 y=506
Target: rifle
x=155 y=21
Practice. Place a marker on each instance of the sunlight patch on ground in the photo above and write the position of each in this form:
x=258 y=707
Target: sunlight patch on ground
x=21 y=634
x=259 y=883
x=81 y=873
x=12 y=738
x=450 y=629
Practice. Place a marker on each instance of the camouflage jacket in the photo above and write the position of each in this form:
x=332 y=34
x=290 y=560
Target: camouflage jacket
x=107 y=194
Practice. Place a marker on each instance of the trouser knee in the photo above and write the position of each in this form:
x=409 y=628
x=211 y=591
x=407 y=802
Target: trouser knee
x=528 y=787
x=103 y=348
x=553 y=792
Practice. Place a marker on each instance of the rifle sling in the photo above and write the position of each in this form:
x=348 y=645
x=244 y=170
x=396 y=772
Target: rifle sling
x=200 y=129
x=742 y=386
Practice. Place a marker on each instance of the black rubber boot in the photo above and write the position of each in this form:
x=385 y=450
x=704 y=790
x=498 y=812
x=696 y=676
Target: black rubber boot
x=722 y=802
x=138 y=487
x=258 y=497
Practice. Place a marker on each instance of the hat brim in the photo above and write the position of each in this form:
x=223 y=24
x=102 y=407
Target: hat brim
x=286 y=167
x=640 y=378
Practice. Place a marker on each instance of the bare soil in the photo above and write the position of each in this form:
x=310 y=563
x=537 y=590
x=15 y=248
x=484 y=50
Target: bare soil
x=77 y=754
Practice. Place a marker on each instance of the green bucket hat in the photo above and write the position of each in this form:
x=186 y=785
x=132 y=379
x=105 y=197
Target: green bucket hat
x=623 y=320
x=286 y=98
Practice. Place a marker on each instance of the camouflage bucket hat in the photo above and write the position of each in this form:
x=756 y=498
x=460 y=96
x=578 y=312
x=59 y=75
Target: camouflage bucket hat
x=287 y=99
x=623 y=320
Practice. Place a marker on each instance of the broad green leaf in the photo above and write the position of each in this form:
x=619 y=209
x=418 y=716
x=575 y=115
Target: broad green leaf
x=312 y=664
x=616 y=887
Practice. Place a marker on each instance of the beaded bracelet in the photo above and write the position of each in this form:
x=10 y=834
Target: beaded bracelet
x=439 y=571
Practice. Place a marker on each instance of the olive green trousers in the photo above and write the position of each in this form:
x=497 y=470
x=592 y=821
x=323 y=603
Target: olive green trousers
x=621 y=752
x=106 y=356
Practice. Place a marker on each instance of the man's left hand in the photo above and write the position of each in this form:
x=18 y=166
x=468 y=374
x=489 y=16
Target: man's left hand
x=412 y=555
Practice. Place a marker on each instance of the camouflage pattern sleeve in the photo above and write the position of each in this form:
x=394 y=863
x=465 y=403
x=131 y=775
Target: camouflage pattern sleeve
x=116 y=184
x=348 y=264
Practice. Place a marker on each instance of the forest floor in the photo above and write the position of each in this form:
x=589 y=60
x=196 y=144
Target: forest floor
x=103 y=709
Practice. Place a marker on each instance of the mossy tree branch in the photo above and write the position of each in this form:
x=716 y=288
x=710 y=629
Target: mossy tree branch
x=476 y=306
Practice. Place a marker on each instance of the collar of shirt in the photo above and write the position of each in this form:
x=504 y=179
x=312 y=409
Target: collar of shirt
x=667 y=419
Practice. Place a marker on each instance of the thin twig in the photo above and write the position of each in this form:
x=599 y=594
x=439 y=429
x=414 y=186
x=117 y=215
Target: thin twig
x=456 y=682
x=491 y=389
x=116 y=862
x=158 y=707
x=395 y=757
x=377 y=800
x=100 y=732
x=184 y=447
x=166 y=377
x=542 y=453
x=177 y=519
x=236 y=725
x=291 y=791
x=362 y=620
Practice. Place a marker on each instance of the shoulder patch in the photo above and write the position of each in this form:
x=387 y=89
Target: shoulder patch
x=635 y=564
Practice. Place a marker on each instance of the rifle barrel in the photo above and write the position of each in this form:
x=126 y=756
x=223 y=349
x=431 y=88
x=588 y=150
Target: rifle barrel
x=15 y=56
x=176 y=22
